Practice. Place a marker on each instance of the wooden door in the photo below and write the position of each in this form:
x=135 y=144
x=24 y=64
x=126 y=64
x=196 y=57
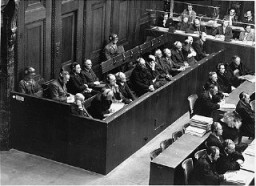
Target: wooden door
x=97 y=25
x=34 y=37
x=68 y=35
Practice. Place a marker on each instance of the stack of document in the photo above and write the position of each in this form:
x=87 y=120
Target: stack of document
x=195 y=131
x=199 y=125
x=201 y=122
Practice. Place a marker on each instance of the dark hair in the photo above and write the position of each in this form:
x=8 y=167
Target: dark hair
x=113 y=36
x=219 y=65
x=242 y=95
x=212 y=150
x=73 y=66
x=234 y=57
x=214 y=126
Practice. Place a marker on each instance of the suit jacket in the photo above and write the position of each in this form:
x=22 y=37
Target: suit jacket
x=243 y=70
x=161 y=23
x=227 y=162
x=162 y=68
x=76 y=84
x=204 y=173
x=112 y=50
x=249 y=37
x=234 y=18
x=220 y=31
x=58 y=90
x=186 y=50
x=204 y=105
x=192 y=28
x=178 y=57
x=89 y=77
x=126 y=92
x=183 y=26
x=246 y=20
x=248 y=118
x=225 y=81
x=141 y=79
x=172 y=67
x=229 y=133
x=212 y=140
x=29 y=87
x=99 y=107
x=200 y=49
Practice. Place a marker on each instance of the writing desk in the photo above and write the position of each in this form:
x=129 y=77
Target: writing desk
x=166 y=169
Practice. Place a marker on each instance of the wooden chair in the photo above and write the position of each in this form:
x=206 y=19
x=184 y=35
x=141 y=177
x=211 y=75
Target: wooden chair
x=191 y=100
x=166 y=143
x=184 y=127
x=187 y=166
x=200 y=153
x=155 y=153
x=176 y=135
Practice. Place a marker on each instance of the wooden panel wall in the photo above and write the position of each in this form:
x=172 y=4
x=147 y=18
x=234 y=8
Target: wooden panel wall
x=55 y=33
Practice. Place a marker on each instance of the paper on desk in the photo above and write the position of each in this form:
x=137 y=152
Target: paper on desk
x=235 y=176
x=227 y=106
x=250 y=78
x=116 y=106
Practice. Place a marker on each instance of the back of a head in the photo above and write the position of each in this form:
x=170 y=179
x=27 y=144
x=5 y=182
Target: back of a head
x=120 y=76
x=107 y=92
x=212 y=150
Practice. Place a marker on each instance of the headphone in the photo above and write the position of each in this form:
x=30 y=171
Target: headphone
x=112 y=37
x=73 y=66
x=29 y=70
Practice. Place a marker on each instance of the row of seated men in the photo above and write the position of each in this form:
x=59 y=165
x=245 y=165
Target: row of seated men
x=223 y=152
x=191 y=24
x=147 y=75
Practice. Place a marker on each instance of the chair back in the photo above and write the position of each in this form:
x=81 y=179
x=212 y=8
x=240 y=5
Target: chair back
x=155 y=153
x=191 y=100
x=200 y=153
x=184 y=127
x=177 y=135
x=166 y=143
x=187 y=166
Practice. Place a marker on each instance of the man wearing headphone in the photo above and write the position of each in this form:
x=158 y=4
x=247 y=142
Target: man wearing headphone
x=204 y=172
x=247 y=114
x=111 y=49
x=28 y=85
x=58 y=89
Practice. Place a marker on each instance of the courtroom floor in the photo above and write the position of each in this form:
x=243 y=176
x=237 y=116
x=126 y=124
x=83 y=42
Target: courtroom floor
x=19 y=168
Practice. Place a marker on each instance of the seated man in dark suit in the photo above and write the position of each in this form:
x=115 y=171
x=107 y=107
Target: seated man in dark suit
x=164 y=21
x=204 y=172
x=188 y=51
x=161 y=66
x=206 y=103
x=248 y=17
x=238 y=70
x=230 y=159
x=244 y=109
x=184 y=24
x=224 y=31
x=88 y=75
x=76 y=83
x=77 y=108
x=173 y=68
x=141 y=78
x=111 y=49
x=213 y=79
x=196 y=27
x=58 y=89
x=224 y=78
x=177 y=55
x=100 y=106
x=248 y=34
x=199 y=47
x=215 y=138
x=128 y=96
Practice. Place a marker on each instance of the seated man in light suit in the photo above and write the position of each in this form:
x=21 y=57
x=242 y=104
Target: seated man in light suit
x=224 y=31
x=247 y=35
